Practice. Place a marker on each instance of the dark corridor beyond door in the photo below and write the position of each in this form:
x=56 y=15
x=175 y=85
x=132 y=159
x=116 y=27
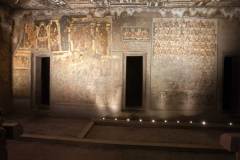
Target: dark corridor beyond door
x=231 y=85
x=45 y=80
x=134 y=82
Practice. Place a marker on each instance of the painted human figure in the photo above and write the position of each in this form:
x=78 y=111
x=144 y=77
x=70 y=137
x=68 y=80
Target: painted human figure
x=42 y=37
x=54 y=37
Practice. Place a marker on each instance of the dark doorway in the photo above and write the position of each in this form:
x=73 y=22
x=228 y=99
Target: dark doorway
x=45 y=79
x=42 y=81
x=134 y=82
x=231 y=85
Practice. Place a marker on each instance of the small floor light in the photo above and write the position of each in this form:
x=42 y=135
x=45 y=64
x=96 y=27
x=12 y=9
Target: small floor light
x=115 y=119
x=103 y=118
x=153 y=121
x=128 y=120
x=204 y=123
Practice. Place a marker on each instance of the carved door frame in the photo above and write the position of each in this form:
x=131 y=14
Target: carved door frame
x=34 y=103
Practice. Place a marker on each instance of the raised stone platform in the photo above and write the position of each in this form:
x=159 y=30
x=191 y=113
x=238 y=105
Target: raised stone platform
x=162 y=140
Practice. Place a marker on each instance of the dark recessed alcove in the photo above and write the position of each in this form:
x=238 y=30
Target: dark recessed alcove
x=134 y=82
x=231 y=84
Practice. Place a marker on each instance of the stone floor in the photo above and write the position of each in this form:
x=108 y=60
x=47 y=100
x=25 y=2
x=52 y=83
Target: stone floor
x=111 y=133
x=46 y=151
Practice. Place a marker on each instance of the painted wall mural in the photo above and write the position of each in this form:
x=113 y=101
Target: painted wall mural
x=135 y=34
x=29 y=36
x=21 y=74
x=42 y=35
x=54 y=36
x=184 y=62
x=22 y=61
x=181 y=60
x=185 y=36
x=152 y=3
x=64 y=29
x=82 y=43
x=89 y=36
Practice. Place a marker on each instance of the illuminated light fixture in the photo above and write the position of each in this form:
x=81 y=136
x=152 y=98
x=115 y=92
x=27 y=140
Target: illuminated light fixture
x=165 y=121
x=140 y=120
x=128 y=119
x=178 y=122
x=230 y=124
x=103 y=118
x=191 y=122
x=153 y=121
x=115 y=119
x=204 y=123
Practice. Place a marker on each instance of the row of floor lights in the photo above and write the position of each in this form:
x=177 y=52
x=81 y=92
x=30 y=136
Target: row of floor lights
x=204 y=123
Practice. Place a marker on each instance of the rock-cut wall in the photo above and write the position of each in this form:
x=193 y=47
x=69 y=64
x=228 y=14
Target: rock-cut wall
x=5 y=59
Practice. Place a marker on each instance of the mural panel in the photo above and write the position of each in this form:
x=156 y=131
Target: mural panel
x=42 y=35
x=86 y=66
x=184 y=62
x=90 y=36
x=81 y=37
x=21 y=73
x=64 y=23
x=135 y=33
x=185 y=37
x=29 y=36
x=54 y=36
x=128 y=2
x=21 y=62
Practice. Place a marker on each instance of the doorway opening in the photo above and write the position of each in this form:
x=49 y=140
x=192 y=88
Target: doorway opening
x=231 y=85
x=43 y=81
x=134 y=82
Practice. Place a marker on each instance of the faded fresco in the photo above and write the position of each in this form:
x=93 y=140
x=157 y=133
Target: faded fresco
x=81 y=64
x=21 y=74
x=42 y=35
x=22 y=61
x=89 y=36
x=64 y=32
x=184 y=63
x=29 y=36
x=135 y=34
x=87 y=67
x=54 y=37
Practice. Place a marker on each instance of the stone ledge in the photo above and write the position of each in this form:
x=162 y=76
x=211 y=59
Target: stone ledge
x=162 y=146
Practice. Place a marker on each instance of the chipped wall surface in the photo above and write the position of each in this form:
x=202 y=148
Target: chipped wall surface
x=182 y=59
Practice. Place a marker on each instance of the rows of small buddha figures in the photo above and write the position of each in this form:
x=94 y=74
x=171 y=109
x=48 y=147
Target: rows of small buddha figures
x=185 y=36
x=67 y=34
x=153 y=3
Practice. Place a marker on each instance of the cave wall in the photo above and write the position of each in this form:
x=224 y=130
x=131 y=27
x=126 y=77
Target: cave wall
x=6 y=25
x=183 y=60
